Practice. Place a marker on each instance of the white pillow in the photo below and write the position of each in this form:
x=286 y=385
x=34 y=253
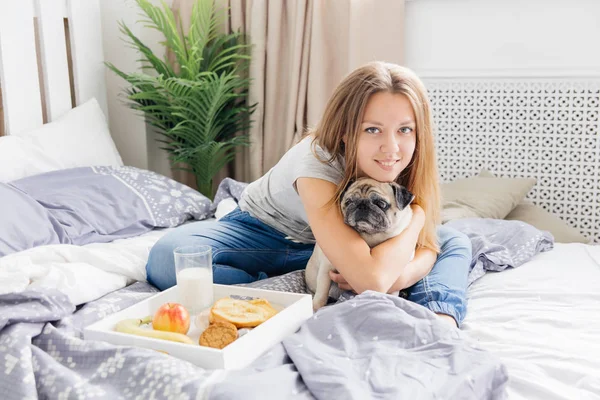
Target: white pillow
x=19 y=158
x=79 y=138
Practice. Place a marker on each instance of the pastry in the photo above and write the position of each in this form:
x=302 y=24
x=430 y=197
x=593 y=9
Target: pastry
x=264 y=304
x=241 y=313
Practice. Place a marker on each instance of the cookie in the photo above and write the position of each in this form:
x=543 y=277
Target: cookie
x=218 y=335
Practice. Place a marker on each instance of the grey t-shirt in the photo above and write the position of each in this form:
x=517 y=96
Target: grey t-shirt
x=273 y=198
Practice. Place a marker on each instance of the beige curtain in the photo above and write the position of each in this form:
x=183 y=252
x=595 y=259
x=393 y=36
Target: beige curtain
x=301 y=51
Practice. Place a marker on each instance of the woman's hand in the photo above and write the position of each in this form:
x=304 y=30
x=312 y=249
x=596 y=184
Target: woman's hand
x=339 y=279
x=418 y=216
x=415 y=270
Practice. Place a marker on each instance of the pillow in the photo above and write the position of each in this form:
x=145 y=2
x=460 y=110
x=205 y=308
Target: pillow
x=19 y=159
x=543 y=220
x=79 y=138
x=499 y=244
x=483 y=197
x=536 y=216
x=25 y=223
x=92 y=205
x=292 y=282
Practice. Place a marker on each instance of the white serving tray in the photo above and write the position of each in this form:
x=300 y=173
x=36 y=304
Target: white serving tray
x=294 y=310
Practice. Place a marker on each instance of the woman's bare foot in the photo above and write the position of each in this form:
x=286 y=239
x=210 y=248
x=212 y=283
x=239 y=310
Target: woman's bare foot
x=448 y=319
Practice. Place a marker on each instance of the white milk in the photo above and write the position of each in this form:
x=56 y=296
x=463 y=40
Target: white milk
x=195 y=286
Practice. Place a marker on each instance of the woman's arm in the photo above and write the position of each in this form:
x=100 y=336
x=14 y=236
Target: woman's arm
x=397 y=251
x=364 y=268
x=415 y=270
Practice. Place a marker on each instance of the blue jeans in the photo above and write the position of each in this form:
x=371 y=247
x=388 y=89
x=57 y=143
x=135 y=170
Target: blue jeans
x=245 y=250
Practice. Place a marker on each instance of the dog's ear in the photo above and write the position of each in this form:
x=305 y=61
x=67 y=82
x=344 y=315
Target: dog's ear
x=402 y=195
x=347 y=187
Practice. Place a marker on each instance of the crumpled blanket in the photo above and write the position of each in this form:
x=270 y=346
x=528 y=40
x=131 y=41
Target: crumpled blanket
x=500 y=244
x=44 y=356
x=373 y=346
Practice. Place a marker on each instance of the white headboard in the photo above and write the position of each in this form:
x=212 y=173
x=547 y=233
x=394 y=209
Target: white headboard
x=51 y=59
x=546 y=128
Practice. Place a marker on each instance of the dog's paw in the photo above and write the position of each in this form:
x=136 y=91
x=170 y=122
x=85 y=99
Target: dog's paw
x=318 y=303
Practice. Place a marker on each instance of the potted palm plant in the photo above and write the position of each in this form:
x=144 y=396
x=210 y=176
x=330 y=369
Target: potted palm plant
x=198 y=104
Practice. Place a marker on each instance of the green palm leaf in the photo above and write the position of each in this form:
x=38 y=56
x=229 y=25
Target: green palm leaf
x=201 y=111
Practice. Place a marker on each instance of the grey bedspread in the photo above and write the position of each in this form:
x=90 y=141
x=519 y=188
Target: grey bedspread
x=372 y=346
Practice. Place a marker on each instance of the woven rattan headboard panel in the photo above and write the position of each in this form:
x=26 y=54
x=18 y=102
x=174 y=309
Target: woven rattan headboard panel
x=524 y=127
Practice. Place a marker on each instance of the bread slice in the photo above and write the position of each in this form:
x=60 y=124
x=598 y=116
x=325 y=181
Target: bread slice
x=241 y=313
x=264 y=304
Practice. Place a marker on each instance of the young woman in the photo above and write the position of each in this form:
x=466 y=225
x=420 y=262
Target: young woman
x=377 y=124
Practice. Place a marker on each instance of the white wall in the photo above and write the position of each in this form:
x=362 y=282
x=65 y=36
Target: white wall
x=504 y=37
x=137 y=147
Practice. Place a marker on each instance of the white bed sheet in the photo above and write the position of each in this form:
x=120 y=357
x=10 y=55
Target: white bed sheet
x=543 y=320
x=84 y=273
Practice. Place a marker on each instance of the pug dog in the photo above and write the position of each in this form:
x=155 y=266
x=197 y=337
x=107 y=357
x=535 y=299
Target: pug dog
x=377 y=211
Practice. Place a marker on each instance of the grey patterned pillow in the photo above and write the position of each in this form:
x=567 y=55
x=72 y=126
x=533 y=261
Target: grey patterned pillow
x=292 y=282
x=169 y=202
x=94 y=205
x=499 y=244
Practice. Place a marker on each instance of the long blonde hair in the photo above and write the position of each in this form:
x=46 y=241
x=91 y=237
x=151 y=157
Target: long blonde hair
x=343 y=117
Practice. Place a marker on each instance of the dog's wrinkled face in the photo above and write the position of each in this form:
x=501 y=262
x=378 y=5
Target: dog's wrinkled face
x=371 y=207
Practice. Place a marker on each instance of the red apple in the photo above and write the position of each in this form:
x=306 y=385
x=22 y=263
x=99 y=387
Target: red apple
x=171 y=317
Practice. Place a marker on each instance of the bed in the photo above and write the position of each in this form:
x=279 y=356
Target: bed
x=531 y=329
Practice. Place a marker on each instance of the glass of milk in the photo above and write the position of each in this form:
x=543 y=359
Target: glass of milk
x=193 y=266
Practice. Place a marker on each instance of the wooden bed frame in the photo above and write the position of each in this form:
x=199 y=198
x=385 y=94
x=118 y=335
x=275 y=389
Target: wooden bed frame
x=51 y=59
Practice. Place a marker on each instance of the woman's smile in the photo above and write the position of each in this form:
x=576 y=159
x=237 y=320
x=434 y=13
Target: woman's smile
x=387 y=165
